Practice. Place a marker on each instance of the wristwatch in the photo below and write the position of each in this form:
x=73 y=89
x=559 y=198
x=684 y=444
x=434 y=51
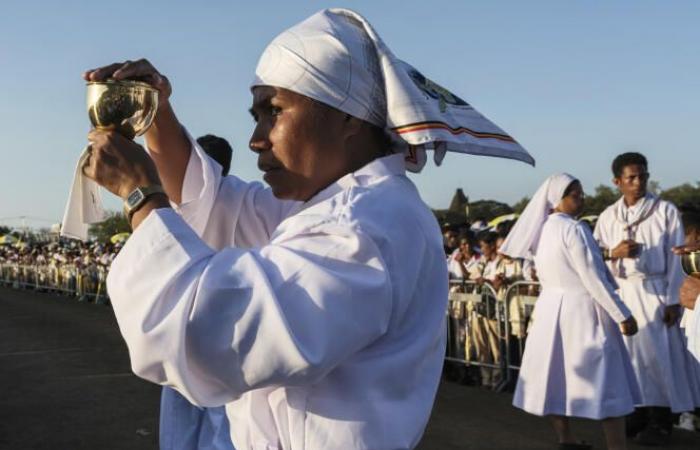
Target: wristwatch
x=138 y=197
x=607 y=254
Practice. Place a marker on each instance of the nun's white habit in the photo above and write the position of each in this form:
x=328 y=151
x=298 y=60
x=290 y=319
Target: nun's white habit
x=575 y=362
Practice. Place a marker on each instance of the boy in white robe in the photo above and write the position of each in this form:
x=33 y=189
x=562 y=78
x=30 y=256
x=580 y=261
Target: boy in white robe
x=331 y=335
x=637 y=234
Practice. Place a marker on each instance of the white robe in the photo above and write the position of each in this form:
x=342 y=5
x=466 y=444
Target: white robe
x=692 y=332
x=330 y=336
x=648 y=284
x=575 y=363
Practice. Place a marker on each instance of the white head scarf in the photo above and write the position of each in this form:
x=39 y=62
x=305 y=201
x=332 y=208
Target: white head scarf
x=336 y=57
x=522 y=240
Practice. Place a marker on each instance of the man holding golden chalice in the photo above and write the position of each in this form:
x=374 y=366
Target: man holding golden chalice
x=690 y=293
x=690 y=290
x=313 y=310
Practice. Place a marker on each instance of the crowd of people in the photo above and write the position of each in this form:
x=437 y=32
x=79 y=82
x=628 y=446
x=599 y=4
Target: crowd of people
x=77 y=268
x=68 y=267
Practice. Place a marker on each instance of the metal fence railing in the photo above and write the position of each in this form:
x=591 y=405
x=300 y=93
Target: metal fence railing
x=86 y=283
x=487 y=329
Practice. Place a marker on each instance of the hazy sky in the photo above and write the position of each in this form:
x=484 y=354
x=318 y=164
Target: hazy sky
x=576 y=82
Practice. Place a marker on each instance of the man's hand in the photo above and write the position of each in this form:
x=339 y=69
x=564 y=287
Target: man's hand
x=140 y=70
x=498 y=281
x=629 y=326
x=671 y=315
x=625 y=249
x=690 y=290
x=166 y=139
x=683 y=249
x=118 y=164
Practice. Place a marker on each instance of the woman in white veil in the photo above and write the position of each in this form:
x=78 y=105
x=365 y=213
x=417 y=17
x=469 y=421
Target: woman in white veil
x=575 y=363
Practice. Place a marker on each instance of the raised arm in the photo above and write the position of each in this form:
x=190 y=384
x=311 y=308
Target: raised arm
x=168 y=145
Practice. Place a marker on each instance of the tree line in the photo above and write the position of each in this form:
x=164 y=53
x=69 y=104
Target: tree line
x=461 y=210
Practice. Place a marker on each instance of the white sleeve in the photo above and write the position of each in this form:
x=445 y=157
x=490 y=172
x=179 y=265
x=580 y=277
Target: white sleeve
x=599 y=232
x=215 y=325
x=693 y=333
x=674 y=271
x=589 y=265
x=248 y=211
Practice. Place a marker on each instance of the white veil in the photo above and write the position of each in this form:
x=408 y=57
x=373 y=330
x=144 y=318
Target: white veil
x=525 y=235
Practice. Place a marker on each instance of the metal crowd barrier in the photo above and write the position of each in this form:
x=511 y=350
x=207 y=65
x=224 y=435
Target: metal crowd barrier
x=487 y=329
x=87 y=283
x=520 y=298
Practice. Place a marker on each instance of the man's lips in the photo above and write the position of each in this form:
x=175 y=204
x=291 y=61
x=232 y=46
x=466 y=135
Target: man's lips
x=268 y=167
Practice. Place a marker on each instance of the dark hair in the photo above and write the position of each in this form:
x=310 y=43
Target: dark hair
x=627 y=159
x=219 y=149
x=691 y=221
x=570 y=188
x=488 y=236
x=466 y=236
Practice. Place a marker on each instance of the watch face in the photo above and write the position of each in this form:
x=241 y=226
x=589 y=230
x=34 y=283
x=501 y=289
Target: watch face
x=134 y=198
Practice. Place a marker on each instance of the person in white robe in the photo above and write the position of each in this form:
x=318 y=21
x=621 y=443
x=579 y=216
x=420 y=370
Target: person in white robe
x=637 y=234
x=575 y=363
x=328 y=332
x=688 y=294
x=690 y=297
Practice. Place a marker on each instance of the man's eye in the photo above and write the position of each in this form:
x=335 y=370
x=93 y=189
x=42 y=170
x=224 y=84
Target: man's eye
x=275 y=111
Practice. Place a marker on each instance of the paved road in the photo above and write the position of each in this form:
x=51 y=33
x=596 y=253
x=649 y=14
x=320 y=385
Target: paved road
x=66 y=384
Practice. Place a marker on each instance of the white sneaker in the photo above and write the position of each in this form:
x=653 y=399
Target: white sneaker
x=686 y=421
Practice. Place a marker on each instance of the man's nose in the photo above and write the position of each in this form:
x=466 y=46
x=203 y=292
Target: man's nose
x=259 y=141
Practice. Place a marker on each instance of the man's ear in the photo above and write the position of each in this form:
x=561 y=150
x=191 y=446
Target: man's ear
x=616 y=181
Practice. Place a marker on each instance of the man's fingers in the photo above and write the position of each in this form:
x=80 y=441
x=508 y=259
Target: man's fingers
x=87 y=167
x=102 y=73
x=122 y=70
x=132 y=69
x=683 y=249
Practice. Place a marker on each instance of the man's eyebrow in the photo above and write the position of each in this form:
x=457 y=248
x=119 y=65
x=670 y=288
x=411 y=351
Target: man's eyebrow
x=261 y=103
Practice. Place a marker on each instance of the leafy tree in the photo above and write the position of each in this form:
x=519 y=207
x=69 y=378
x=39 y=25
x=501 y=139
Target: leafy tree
x=487 y=209
x=520 y=205
x=459 y=202
x=604 y=196
x=685 y=196
x=115 y=222
x=4 y=230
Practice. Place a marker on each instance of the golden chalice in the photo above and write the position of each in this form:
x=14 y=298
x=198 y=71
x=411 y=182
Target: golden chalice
x=691 y=263
x=123 y=105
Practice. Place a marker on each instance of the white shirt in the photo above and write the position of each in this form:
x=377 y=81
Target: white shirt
x=657 y=235
x=331 y=336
